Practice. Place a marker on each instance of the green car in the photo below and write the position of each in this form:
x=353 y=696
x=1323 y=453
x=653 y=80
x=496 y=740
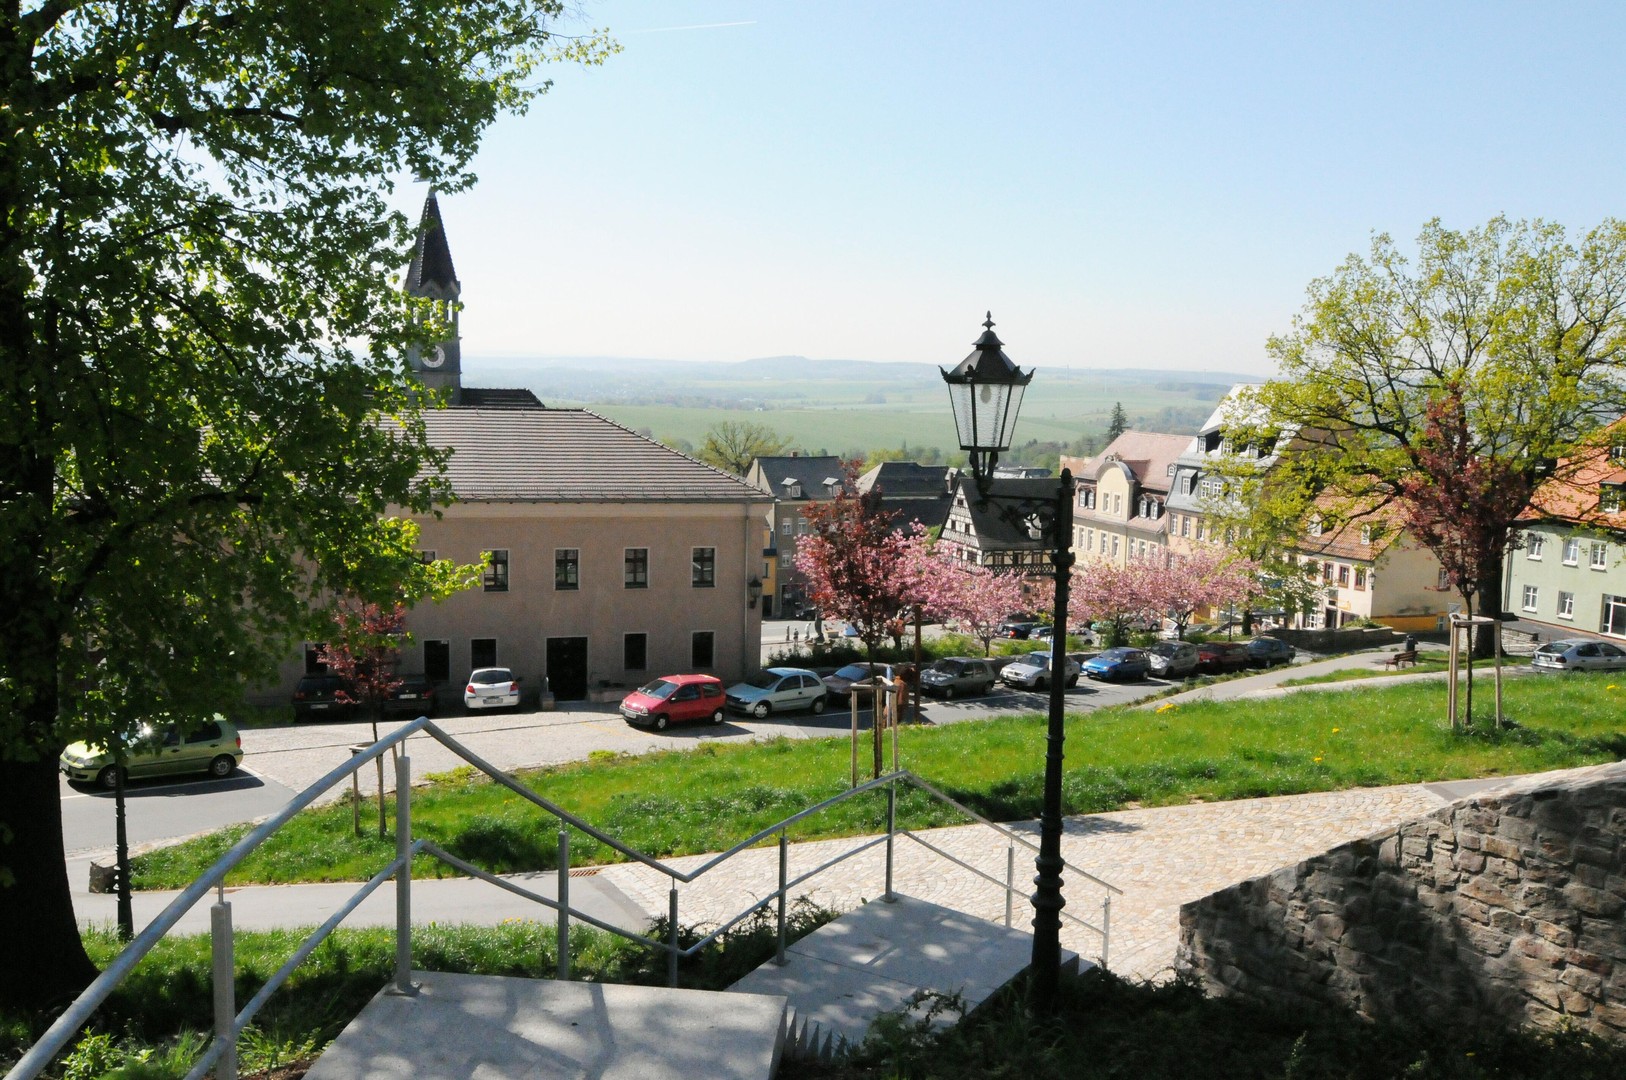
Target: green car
x=212 y=747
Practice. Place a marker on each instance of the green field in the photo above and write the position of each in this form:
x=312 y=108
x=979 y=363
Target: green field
x=852 y=408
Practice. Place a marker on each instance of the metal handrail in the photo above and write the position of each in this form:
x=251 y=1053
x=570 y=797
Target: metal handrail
x=229 y=1022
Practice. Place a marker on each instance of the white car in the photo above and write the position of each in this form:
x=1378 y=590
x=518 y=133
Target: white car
x=1031 y=671
x=1579 y=654
x=491 y=688
x=777 y=689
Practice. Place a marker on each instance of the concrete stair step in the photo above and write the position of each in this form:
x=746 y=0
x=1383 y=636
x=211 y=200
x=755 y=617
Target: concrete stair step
x=461 y=1026
x=876 y=958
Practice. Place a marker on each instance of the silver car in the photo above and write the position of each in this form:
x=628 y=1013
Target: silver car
x=777 y=689
x=1171 y=659
x=957 y=675
x=1579 y=654
x=1031 y=671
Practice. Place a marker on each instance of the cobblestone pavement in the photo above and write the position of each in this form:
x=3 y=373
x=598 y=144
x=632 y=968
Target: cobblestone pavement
x=1161 y=858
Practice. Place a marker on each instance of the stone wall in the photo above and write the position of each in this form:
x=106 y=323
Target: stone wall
x=1352 y=639
x=1506 y=907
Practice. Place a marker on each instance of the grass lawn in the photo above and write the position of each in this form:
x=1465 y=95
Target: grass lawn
x=709 y=798
x=1427 y=663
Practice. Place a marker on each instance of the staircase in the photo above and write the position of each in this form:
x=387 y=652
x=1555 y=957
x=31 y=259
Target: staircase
x=835 y=982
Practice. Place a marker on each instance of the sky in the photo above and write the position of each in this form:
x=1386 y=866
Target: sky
x=1124 y=185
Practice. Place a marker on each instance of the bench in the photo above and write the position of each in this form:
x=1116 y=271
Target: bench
x=1401 y=659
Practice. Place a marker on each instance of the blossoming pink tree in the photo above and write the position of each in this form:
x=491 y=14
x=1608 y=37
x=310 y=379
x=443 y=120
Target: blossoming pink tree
x=1117 y=595
x=977 y=600
x=1209 y=578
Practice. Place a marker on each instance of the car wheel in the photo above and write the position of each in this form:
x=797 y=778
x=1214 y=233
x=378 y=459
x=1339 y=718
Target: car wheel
x=989 y=689
x=222 y=766
x=108 y=778
x=1040 y=684
x=948 y=693
x=761 y=710
x=817 y=706
x=717 y=717
x=1072 y=682
x=660 y=723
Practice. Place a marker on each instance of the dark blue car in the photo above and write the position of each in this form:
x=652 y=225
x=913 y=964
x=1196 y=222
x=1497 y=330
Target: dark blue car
x=1269 y=651
x=1116 y=665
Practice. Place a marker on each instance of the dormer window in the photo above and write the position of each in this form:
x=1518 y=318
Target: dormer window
x=1609 y=498
x=1315 y=527
x=1171 y=469
x=792 y=486
x=1617 y=452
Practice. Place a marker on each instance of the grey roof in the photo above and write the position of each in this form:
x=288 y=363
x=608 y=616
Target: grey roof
x=911 y=491
x=810 y=472
x=482 y=397
x=431 y=272
x=569 y=455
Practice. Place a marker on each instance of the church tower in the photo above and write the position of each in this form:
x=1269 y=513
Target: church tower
x=432 y=277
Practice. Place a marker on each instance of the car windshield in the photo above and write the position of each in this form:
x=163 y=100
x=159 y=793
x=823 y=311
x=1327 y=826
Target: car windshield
x=763 y=680
x=492 y=675
x=660 y=688
x=1037 y=659
x=1117 y=654
x=947 y=667
x=858 y=671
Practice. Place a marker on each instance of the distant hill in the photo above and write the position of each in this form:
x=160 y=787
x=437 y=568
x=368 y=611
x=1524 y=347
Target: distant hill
x=589 y=379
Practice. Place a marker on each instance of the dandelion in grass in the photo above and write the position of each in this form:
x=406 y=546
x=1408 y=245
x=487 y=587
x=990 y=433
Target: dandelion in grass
x=1316 y=759
x=1167 y=705
x=1336 y=730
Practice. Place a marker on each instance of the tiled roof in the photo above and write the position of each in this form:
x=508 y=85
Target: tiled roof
x=569 y=455
x=813 y=473
x=1342 y=539
x=1571 y=494
x=907 y=480
x=1147 y=454
x=481 y=397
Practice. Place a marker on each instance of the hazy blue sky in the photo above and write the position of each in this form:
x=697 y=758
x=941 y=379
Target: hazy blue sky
x=1127 y=184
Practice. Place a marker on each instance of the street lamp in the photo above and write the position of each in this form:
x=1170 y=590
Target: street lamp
x=753 y=591
x=985 y=391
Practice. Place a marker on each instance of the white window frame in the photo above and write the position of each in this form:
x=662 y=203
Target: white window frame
x=1598 y=558
x=1566 y=605
x=1572 y=552
x=1532 y=596
x=1533 y=543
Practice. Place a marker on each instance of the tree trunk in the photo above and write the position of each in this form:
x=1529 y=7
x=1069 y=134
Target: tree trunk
x=44 y=962
x=1488 y=600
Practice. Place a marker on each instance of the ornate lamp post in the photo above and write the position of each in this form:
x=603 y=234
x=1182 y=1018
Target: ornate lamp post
x=985 y=390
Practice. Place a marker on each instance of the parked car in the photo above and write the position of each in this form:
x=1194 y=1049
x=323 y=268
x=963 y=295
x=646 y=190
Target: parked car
x=675 y=699
x=491 y=688
x=1214 y=657
x=1018 y=627
x=957 y=676
x=1117 y=665
x=1578 y=654
x=1172 y=659
x=1031 y=671
x=161 y=749
x=323 y=697
x=1269 y=651
x=777 y=689
x=414 y=697
x=839 y=684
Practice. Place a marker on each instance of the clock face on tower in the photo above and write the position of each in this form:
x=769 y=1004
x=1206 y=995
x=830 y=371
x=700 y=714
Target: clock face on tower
x=436 y=358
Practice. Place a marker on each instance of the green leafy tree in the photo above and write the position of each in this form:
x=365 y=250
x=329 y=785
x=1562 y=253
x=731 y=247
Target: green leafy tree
x=1523 y=328
x=1119 y=423
x=733 y=444
x=205 y=417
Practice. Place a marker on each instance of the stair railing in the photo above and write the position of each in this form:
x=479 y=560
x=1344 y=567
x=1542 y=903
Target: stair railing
x=229 y=1021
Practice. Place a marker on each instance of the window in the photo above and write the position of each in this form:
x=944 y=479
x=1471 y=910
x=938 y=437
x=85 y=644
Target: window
x=1185 y=525
x=1443 y=579
x=1089 y=539
x=483 y=652
x=1532 y=545
x=1114 y=547
x=1086 y=498
x=1566 y=605
x=703 y=568
x=1360 y=577
x=496 y=576
x=801 y=525
x=426 y=557
x=1609 y=499
x=1614 y=615
x=1531 y=594
x=635 y=574
x=1343 y=576
x=784 y=558
x=1600 y=555
x=1572 y=552
x=313 y=658
x=701 y=649
x=635 y=652
x=567 y=568
x=787 y=527
x=1315 y=527
x=1617 y=452
x=1326 y=573
x=1199 y=528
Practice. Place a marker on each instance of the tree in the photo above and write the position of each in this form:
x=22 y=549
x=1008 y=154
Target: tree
x=1119 y=423
x=365 y=651
x=1461 y=505
x=978 y=600
x=732 y=445
x=1102 y=591
x=205 y=415
x=1211 y=577
x=856 y=566
x=1526 y=329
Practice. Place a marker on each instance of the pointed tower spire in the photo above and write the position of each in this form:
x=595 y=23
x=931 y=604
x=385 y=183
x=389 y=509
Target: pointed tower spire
x=432 y=277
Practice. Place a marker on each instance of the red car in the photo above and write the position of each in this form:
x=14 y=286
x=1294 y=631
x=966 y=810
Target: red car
x=673 y=699
x=1214 y=657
